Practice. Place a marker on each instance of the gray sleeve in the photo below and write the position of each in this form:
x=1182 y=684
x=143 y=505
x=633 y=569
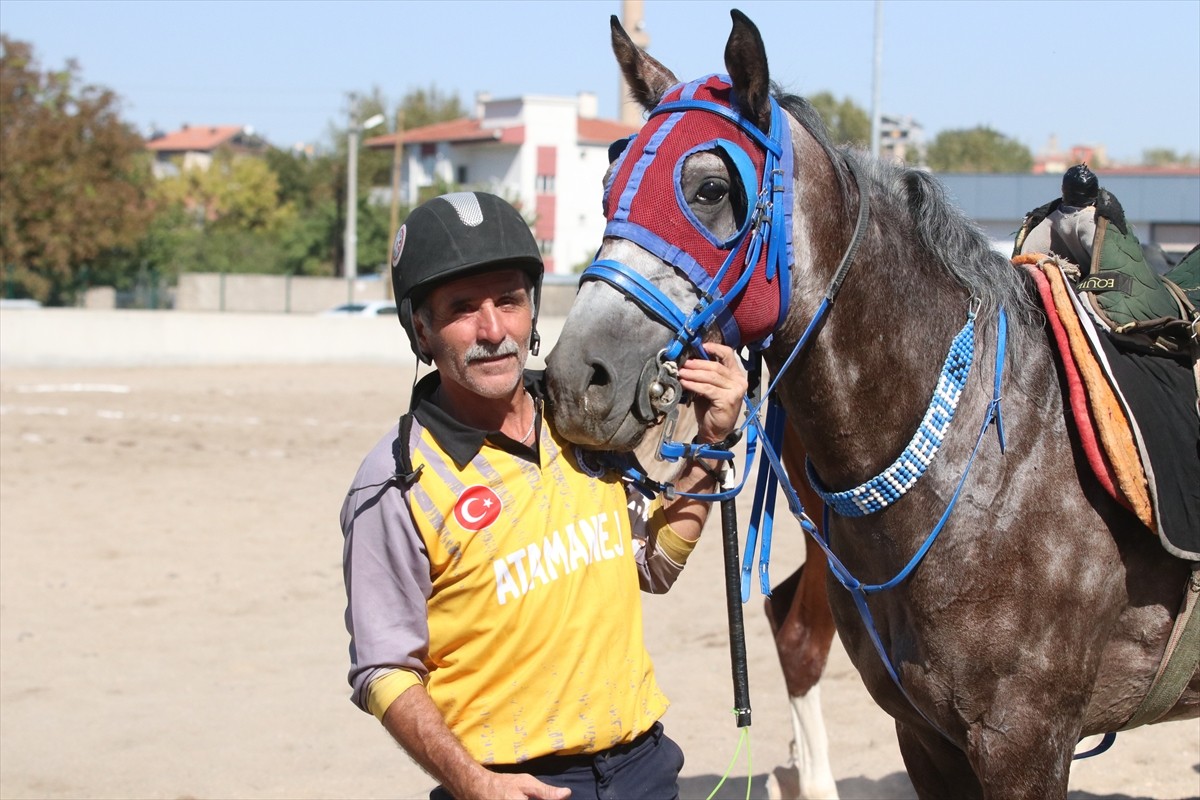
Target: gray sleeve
x=1077 y=230
x=1038 y=239
x=386 y=571
x=656 y=570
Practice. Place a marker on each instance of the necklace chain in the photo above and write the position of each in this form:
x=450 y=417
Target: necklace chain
x=532 y=421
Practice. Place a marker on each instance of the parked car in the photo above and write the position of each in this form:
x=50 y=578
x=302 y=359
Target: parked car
x=365 y=308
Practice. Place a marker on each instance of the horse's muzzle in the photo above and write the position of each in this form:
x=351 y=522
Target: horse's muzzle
x=590 y=407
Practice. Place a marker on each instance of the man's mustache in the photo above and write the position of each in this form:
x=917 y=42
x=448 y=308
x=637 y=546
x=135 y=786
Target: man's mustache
x=479 y=351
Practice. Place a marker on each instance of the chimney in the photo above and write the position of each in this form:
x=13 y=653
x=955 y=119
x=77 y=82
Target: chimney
x=481 y=100
x=634 y=23
x=588 y=105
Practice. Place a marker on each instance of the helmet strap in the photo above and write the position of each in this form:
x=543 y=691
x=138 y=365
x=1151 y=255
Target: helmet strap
x=535 y=339
x=405 y=310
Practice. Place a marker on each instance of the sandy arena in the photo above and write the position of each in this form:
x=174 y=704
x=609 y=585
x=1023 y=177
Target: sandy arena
x=171 y=606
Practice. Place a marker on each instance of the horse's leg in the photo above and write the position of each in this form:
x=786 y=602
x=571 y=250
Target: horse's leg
x=938 y=770
x=1007 y=758
x=800 y=618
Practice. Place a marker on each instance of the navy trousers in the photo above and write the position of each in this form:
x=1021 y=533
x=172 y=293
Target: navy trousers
x=647 y=768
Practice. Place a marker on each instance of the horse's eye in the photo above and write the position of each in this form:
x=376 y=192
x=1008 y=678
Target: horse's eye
x=712 y=191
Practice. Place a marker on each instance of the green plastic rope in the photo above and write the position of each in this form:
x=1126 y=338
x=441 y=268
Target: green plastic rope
x=744 y=738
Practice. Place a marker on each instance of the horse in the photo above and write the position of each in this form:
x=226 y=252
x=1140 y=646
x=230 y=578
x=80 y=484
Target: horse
x=1020 y=608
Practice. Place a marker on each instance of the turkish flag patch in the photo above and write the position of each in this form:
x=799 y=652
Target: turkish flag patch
x=477 y=508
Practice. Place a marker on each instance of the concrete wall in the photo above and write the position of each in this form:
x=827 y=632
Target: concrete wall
x=74 y=337
x=208 y=291
x=284 y=294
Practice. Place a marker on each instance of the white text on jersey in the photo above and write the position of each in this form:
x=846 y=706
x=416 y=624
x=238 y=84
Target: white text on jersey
x=590 y=541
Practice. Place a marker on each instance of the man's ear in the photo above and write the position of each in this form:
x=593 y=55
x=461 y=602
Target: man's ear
x=423 y=348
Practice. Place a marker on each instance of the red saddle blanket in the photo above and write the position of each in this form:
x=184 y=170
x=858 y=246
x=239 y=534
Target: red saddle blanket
x=1113 y=441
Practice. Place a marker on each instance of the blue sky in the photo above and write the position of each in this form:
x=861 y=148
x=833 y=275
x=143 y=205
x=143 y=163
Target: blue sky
x=1122 y=74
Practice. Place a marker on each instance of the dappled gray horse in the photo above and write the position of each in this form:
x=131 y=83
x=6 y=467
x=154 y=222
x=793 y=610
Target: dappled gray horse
x=1041 y=607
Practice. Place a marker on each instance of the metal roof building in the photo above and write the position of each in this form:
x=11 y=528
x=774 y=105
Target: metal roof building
x=1163 y=207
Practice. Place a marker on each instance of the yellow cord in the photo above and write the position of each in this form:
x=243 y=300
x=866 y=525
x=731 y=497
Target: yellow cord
x=743 y=738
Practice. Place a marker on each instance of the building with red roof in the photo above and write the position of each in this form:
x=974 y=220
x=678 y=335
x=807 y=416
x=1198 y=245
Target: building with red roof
x=546 y=155
x=194 y=145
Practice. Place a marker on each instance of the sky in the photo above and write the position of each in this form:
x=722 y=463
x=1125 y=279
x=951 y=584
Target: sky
x=1123 y=75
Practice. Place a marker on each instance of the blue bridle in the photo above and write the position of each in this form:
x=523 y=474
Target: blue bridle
x=767 y=225
x=768 y=221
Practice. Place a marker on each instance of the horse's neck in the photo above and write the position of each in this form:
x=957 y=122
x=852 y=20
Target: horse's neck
x=861 y=390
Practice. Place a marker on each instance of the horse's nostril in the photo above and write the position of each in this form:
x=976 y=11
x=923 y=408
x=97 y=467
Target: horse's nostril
x=600 y=375
x=597 y=396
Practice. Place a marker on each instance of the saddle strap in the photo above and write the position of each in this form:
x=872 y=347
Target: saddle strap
x=1179 y=661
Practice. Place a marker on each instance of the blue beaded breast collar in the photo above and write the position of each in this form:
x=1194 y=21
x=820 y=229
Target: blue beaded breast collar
x=902 y=474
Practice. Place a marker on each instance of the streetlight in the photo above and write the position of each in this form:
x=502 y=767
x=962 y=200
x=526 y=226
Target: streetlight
x=351 y=243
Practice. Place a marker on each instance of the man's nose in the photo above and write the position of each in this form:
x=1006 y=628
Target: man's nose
x=491 y=328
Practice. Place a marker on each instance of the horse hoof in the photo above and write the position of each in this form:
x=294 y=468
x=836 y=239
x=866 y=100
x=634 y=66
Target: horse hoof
x=784 y=784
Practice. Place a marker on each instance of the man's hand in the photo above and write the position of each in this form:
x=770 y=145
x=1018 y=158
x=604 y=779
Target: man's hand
x=520 y=786
x=719 y=386
x=416 y=724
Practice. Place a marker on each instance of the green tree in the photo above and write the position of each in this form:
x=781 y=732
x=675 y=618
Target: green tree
x=311 y=241
x=235 y=192
x=979 y=149
x=227 y=217
x=75 y=178
x=1166 y=157
x=419 y=107
x=845 y=120
x=423 y=107
x=304 y=180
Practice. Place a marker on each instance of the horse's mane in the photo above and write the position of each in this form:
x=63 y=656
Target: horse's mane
x=941 y=229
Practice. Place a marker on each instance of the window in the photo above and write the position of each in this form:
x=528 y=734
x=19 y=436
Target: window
x=460 y=175
x=547 y=168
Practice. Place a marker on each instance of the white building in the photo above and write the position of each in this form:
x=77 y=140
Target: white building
x=902 y=139
x=546 y=155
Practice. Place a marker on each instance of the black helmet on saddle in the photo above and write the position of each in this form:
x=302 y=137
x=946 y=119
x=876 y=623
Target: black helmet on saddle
x=452 y=236
x=1080 y=186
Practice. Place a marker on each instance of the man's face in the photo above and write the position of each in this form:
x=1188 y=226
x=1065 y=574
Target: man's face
x=476 y=329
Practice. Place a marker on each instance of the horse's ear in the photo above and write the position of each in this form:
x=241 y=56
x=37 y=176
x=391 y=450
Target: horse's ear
x=647 y=79
x=746 y=61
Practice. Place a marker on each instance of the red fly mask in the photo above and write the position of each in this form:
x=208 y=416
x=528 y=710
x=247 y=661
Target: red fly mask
x=744 y=280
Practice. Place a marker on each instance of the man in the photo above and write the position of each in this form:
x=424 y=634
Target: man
x=1087 y=226
x=1067 y=225
x=495 y=623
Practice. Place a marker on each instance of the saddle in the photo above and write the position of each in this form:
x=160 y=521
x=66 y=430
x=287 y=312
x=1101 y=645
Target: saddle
x=1107 y=265
x=1135 y=411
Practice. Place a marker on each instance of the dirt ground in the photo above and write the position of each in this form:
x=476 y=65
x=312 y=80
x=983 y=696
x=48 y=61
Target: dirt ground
x=171 y=606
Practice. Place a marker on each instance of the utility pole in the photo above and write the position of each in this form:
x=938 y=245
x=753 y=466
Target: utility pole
x=350 y=243
x=877 y=80
x=394 y=219
x=634 y=23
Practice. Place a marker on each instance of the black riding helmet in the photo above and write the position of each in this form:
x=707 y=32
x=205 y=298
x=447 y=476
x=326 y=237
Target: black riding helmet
x=452 y=236
x=1080 y=186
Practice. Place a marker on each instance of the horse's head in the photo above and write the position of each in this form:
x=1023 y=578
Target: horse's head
x=697 y=245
